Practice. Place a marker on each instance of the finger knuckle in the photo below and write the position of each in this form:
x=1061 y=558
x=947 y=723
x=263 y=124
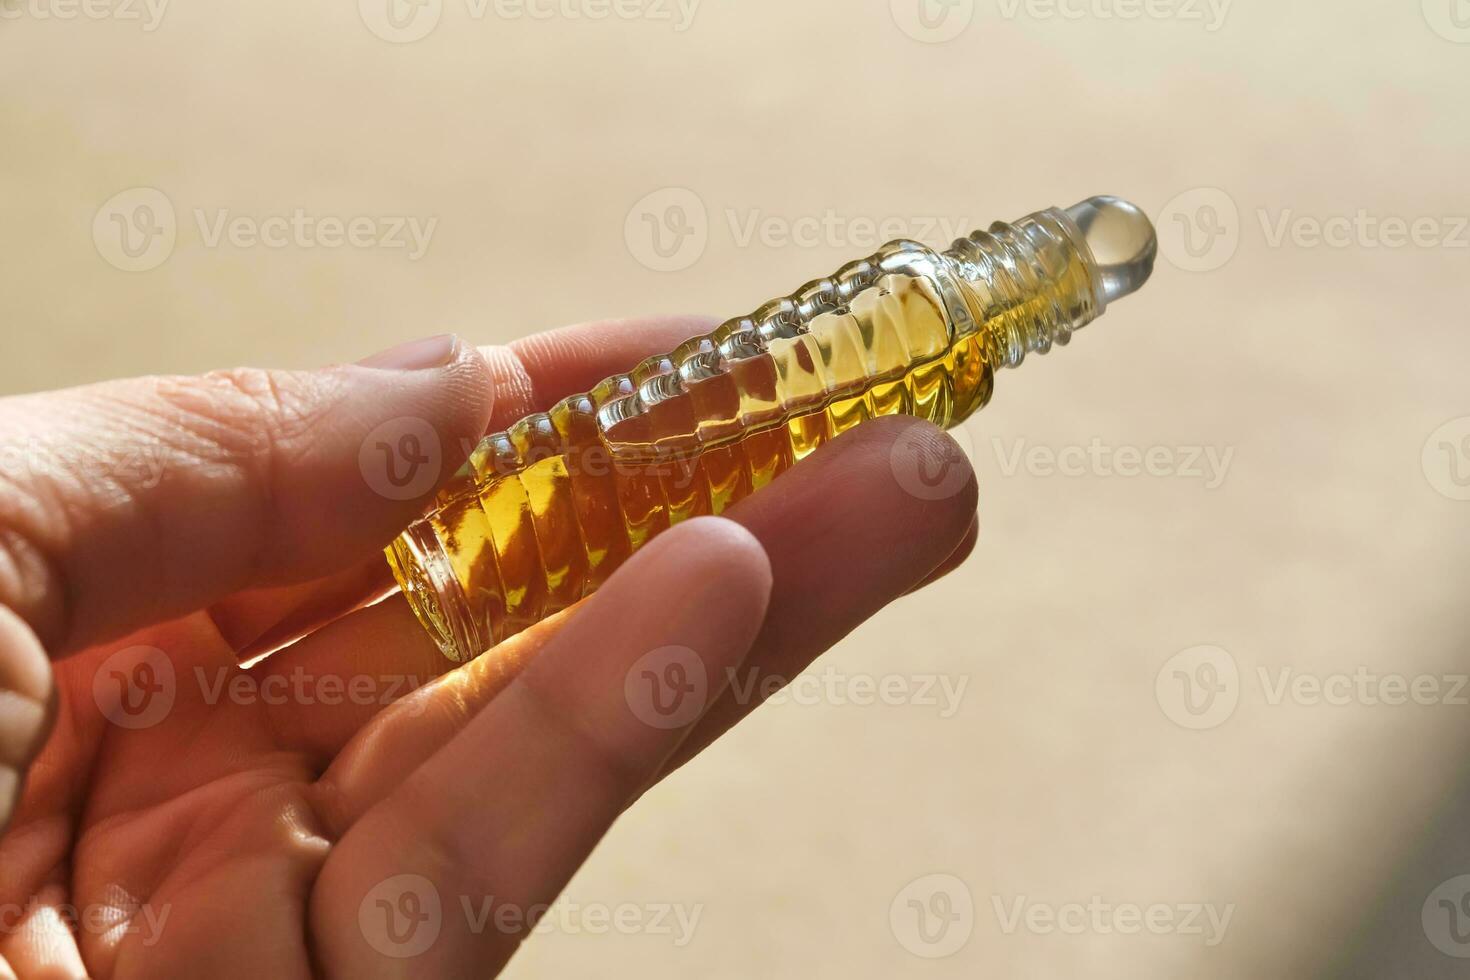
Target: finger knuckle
x=250 y=411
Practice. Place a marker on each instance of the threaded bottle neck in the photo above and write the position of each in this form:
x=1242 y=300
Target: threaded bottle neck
x=1029 y=284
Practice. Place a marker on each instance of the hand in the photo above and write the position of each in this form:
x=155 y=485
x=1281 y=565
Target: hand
x=185 y=818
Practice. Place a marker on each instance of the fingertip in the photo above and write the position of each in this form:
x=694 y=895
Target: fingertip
x=727 y=555
x=708 y=570
x=27 y=706
x=24 y=667
x=927 y=463
x=958 y=557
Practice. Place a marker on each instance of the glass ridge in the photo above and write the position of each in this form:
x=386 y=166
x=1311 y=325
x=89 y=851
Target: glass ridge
x=543 y=512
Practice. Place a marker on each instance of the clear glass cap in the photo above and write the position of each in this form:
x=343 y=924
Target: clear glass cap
x=1122 y=242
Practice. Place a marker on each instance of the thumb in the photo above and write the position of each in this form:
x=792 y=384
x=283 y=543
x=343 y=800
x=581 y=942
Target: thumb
x=131 y=502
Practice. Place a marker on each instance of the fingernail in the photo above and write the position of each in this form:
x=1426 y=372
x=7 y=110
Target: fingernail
x=416 y=355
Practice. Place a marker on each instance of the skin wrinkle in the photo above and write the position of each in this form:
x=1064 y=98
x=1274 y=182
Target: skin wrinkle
x=260 y=431
x=245 y=421
x=272 y=412
x=313 y=842
x=515 y=389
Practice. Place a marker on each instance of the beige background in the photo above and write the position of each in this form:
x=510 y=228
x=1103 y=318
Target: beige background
x=1327 y=548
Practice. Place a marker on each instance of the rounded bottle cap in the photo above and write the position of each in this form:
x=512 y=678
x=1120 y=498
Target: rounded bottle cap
x=1122 y=242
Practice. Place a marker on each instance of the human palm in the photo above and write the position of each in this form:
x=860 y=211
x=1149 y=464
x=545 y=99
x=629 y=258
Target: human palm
x=332 y=809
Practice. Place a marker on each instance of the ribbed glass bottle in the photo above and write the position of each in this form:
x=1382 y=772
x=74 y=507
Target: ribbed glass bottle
x=544 y=512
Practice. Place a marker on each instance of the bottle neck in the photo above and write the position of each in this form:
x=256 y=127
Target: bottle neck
x=1029 y=285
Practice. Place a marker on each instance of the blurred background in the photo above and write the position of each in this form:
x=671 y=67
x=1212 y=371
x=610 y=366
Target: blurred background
x=1198 y=705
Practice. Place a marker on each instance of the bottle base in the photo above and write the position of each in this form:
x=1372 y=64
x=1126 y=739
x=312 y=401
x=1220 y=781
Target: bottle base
x=426 y=577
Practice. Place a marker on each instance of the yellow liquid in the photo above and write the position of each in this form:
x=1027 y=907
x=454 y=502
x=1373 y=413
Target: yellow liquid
x=546 y=511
